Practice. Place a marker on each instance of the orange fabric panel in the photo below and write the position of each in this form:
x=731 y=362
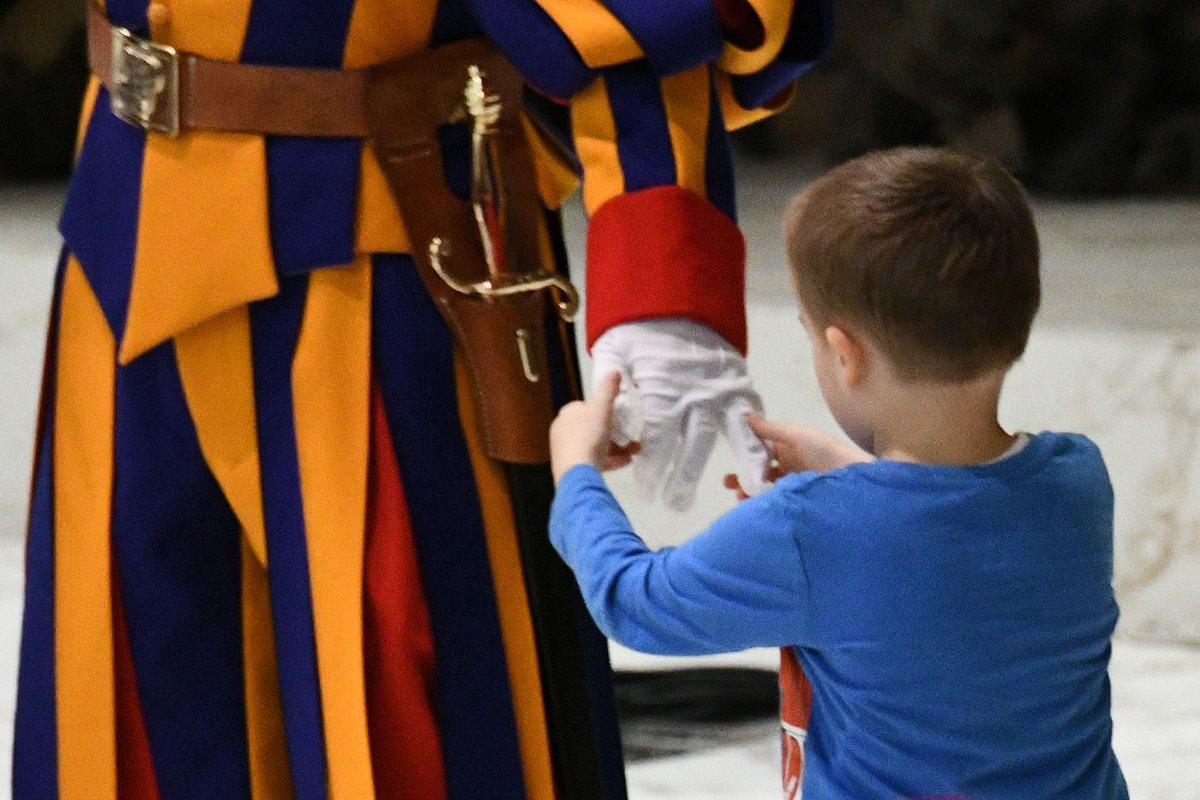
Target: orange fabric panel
x=202 y=249
x=556 y=180
x=687 y=104
x=83 y=484
x=600 y=38
x=203 y=233
x=596 y=142
x=380 y=229
x=269 y=775
x=212 y=28
x=516 y=626
x=738 y=116
x=385 y=30
x=776 y=18
x=331 y=392
x=218 y=381
x=85 y=114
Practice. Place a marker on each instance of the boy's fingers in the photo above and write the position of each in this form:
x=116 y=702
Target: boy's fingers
x=625 y=451
x=731 y=482
x=611 y=397
x=749 y=451
x=618 y=456
x=612 y=462
x=625 y=424
x=609 y=388
x=766 y=429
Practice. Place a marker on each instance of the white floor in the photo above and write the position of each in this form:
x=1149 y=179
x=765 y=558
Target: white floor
x=1116 y=354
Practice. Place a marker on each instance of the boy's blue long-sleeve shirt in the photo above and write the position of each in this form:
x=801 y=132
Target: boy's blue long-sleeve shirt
x=955 y=622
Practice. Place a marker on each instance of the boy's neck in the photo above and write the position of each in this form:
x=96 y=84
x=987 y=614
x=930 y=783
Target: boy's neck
x=951 y=424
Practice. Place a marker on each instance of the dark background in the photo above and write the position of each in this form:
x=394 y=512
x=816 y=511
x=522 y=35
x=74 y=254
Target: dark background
x=1079 y=97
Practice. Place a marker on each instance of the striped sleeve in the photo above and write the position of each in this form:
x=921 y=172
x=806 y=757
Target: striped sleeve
x=652 y=89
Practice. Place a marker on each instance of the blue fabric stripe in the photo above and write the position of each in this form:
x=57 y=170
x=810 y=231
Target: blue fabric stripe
x=808 y=39
x=535 y=45
x=177 y=547
x=643 y=140
x=100 y=217
x=556 y=360
x=313 y=187
x=309 y=33
x=35 y=738
x=275 y=329
x=718 y=172
x=129 y=14
x=313 y=183
x=675 y=35
x=454 y=141
x=413 y=353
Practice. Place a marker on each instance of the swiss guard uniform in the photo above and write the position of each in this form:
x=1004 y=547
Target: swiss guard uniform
x=272 y=552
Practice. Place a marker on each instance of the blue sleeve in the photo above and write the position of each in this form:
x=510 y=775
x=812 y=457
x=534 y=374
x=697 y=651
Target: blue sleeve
x=739 y=584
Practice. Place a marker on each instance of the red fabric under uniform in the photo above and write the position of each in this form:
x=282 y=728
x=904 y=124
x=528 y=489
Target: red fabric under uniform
x=795 y=708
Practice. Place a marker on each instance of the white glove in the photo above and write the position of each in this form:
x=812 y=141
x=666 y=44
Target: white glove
x=682 y=384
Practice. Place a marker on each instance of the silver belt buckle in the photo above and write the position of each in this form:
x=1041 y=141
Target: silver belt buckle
x=145 y=83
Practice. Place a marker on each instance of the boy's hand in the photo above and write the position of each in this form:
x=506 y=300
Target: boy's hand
x=582 y=432
x=798 y=448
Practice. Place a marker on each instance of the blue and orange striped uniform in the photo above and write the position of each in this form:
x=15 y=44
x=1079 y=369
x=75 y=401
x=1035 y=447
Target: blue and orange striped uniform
x=267 y=556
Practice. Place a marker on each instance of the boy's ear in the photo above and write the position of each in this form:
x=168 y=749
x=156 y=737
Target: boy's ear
x=850 y=352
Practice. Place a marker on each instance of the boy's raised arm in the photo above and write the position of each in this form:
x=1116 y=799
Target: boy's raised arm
x=737 y=585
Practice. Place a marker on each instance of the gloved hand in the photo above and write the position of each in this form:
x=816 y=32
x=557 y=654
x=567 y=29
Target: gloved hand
x=682 y=384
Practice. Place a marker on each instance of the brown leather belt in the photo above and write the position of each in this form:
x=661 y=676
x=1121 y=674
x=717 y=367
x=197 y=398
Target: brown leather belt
x=159 y=88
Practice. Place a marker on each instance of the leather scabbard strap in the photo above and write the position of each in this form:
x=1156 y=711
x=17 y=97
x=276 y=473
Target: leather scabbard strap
x=251 y=98
x=503 y=339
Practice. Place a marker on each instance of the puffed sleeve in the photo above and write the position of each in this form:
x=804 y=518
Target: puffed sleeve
x=652 y=88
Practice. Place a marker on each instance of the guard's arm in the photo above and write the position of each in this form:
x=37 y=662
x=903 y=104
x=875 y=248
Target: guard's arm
x=652 y=89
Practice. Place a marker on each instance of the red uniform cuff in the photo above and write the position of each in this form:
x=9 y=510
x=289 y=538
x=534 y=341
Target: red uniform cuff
x=665 y=252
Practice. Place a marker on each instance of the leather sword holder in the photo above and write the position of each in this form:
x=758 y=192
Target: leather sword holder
x=501 y=328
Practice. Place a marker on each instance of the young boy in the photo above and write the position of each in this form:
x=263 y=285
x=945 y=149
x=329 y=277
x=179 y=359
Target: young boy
x=946 y=585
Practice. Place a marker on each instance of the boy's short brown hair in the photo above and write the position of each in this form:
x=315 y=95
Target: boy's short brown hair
x=934 y=253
